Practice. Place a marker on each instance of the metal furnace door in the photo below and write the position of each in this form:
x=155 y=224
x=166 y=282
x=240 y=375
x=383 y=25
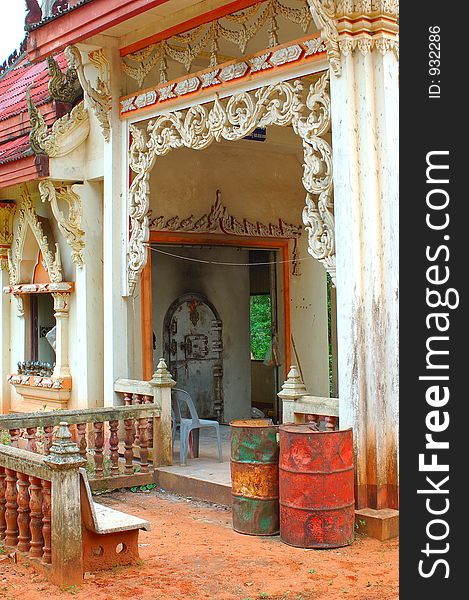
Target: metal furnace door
x=193 y=347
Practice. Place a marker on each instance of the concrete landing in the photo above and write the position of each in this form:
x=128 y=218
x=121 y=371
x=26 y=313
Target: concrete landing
x=204 y=478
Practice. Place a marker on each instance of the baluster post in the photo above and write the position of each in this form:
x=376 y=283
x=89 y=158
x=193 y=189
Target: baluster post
x=114 y=447
x=129 y=445
x=46 y=521
x=81 y=433
x=143 y=443
x=23 y=513
x=136 y=399
x=35 y=523
x=162 y=438
x=48 y=438
x=149 y=400
x=31 y=436
x=331 y=423
x=98 y=449
x=11 y=506
x=14 y=437
x=64 y=461
x=314 y=420
x=128 y=398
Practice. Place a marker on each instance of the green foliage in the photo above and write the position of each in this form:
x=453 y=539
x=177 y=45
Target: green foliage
x=260 y=325
x=143 y=488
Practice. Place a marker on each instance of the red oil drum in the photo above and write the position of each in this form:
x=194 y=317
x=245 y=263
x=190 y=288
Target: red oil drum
x=316 y=484
x=254 y=476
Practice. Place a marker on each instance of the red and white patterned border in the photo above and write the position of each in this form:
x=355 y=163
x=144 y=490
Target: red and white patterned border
x=270 y=59
x=39 y=288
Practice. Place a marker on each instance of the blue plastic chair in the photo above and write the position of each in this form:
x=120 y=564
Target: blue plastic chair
x=181 y=404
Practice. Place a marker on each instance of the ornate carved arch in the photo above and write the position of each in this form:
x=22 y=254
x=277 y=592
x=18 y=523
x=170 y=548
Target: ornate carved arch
x=27 y=218
x=199 y=126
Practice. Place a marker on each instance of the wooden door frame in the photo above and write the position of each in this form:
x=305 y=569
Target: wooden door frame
x=209 y=239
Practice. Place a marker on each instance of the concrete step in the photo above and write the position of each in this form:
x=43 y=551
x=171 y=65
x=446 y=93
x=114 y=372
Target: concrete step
x=202 y=479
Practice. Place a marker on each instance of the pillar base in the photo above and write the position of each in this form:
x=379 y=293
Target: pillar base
x=380 y=524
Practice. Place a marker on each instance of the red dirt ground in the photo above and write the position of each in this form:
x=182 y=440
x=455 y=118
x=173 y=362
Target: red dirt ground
x=192 y=553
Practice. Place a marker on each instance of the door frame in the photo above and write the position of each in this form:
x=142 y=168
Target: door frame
x=181 y=238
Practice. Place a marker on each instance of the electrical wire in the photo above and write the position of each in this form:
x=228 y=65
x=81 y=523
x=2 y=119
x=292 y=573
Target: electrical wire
x=228 y=264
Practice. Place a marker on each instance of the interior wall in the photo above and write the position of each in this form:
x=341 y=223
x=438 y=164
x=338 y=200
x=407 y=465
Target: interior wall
x=227 y=288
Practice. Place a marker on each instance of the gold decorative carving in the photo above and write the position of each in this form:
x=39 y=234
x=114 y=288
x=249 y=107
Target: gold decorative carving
x=219 y=220
x=19 y=304
x=39 y=131
x=28 y=218
x=61 y=303
x=63 y=87
x=233 y=119
x=70 y=225
x=363 y=25
x=318 y=214
x=323 y=13
x=238 y=28
x=99 y=96
x=7 y=212
x=66 y=134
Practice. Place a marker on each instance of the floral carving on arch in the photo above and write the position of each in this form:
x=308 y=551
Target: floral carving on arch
x=282 y=104
x=27 y=218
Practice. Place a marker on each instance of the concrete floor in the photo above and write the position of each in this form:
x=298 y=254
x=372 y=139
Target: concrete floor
x=203 y=477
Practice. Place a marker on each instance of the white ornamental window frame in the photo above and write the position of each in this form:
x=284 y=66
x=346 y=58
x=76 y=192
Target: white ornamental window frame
x=60 y=290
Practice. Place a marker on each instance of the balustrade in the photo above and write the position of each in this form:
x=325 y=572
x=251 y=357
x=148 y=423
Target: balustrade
x=27 y=518
x=102 y=436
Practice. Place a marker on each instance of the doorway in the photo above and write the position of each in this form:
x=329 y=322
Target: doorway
x=217 y=320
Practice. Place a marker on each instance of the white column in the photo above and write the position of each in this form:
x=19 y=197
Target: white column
x=61 y=312
x=365 y=153
x=88 y=303
x=118 y=333
x=5 y=358
x=7 y=212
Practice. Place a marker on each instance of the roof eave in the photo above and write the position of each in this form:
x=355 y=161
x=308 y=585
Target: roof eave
x=82 y=23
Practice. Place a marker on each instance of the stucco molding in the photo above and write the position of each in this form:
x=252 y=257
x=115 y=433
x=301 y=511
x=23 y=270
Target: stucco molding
x=323 y=13
x=238 y=28
x=69 y=225
x=65 y=135
x=99 y=96
x=27 y=218
x=350 y=25
x=219 y=220
x=7 y=213
x=318 y=214
x=233 y=119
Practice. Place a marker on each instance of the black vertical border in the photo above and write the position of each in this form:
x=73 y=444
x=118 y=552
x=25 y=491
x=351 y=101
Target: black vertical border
x=429 y=124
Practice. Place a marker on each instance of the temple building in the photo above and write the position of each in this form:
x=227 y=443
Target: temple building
x=167 y=167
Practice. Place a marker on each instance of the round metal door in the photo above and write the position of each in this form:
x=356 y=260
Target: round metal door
x=193 y=349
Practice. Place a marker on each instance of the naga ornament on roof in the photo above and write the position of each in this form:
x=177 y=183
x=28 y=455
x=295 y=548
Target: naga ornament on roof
x=63 y=87
x=66 y=134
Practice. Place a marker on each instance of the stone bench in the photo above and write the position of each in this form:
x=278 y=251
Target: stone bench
x=110 y=537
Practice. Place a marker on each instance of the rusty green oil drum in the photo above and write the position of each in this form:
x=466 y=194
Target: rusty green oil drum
x=254 y=477
x=316 y=487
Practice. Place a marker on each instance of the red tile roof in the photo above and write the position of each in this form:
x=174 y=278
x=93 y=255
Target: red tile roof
x=14 y=117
